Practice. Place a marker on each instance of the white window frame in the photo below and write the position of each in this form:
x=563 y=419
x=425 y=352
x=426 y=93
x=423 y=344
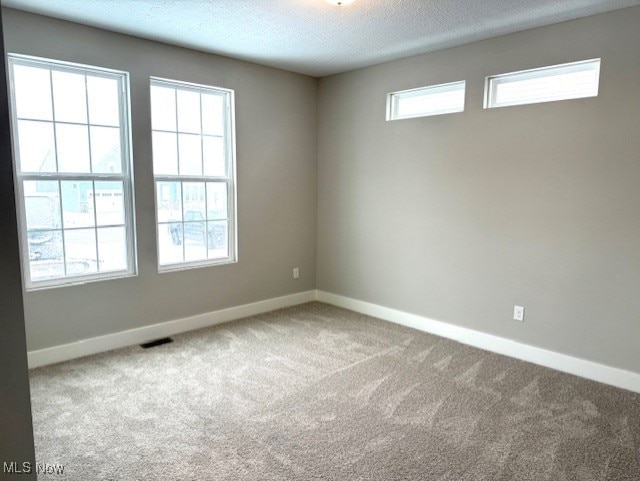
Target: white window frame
x=126 y=177
x=229 y=179
x=394 y=98
x=492 y=82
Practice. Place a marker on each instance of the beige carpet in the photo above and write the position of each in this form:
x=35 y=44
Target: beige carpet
x=319 y=393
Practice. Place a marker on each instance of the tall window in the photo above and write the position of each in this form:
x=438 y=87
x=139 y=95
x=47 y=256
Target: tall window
x=194 y=170
x=73 y=170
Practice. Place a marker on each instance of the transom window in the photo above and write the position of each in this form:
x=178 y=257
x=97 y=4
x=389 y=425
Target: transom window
x=194 y=170
x=426 y=101
x=73 y=169
x=547 y=84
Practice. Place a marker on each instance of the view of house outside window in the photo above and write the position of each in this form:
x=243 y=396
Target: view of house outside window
x=194 y=170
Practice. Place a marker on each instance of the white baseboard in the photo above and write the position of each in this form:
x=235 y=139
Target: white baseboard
x=139 y=335
x=543 y=357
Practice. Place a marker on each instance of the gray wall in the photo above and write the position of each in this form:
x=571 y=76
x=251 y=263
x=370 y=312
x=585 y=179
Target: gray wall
x=276 y=166
x=459 y=217
x=455 y=218
x=16 y=433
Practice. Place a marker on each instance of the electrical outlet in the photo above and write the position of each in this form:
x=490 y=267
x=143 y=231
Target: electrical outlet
x=296 y=272
x=518 y=313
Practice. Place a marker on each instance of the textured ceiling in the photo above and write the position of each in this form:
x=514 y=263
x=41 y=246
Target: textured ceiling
x=311 y=36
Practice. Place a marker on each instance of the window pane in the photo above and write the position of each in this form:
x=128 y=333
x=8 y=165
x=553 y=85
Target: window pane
x=163 y=108
x=170 y=249
x=195 y=241
x=42 y=204
x=548 y=88
x=104 y=102
x=36 y=147
x=112 y=249
x=109 y=200
x=188 y=111
x=46 y=260
x=427 y=101
x=213 y=114
x=450 y=101
x=193 y=199
x=216 y=200
x=190 y=155
x=548 y=84
x=32 y=92
x=69 y=97
x=73 y=148
x=218 y=241
x=169 y=201
x=165 y=153
x=80 y=246
x=213 y=155
x=106 y=153
x=77 y=204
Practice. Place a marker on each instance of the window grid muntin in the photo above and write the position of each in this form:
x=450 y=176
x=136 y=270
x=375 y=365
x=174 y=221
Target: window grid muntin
x=125 y=176
x=229 y=179
x=181 y=181
x=50 y=65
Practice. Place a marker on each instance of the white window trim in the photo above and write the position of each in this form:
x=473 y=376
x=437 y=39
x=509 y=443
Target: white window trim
x=126 y=177
x=230 y=179
x=393 y=99
x=492 y=82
